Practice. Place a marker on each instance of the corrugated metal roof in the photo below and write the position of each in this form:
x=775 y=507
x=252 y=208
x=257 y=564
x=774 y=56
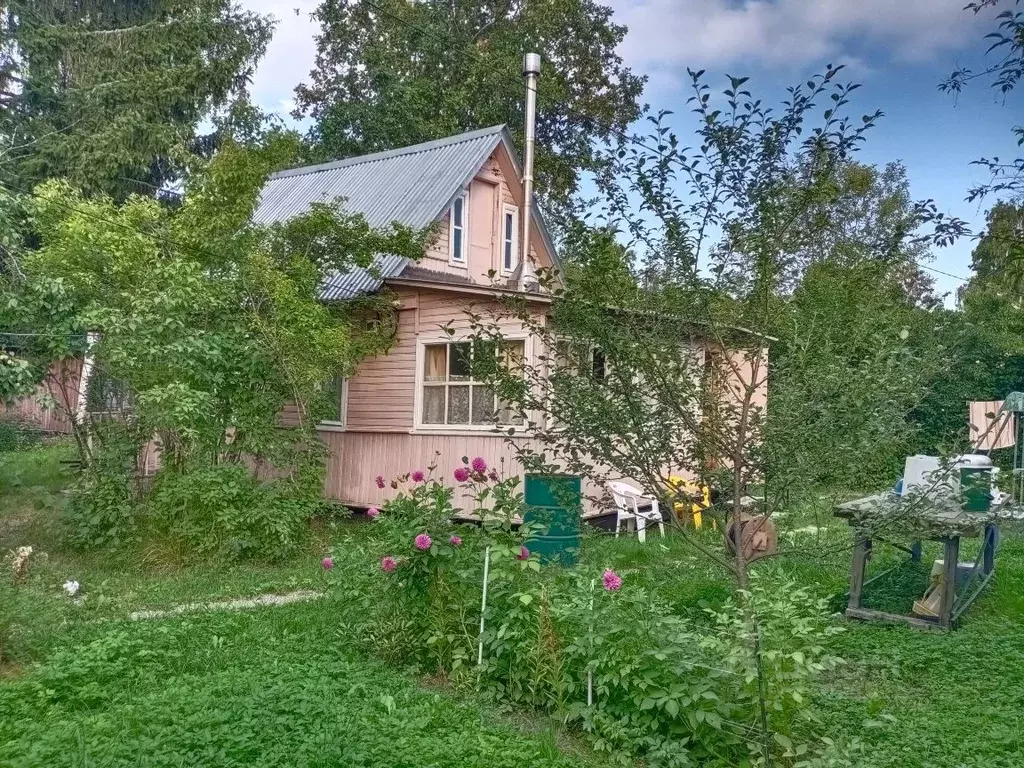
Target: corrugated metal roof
x=413 y=186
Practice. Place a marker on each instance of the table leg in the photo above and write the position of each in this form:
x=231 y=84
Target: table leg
x=989 y=562
x=861 y=547
x=950 y=560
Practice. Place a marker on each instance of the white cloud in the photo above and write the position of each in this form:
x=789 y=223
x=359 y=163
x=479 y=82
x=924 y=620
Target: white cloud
x=667 y=35
x=290 y=55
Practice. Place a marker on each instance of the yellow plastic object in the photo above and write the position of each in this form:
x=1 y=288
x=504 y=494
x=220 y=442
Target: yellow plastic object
x=682 y=485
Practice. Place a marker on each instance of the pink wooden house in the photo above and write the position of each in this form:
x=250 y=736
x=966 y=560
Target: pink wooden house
x=418 y=404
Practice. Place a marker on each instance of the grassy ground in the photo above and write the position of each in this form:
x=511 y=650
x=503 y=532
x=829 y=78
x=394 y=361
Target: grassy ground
x=276 y=686
x=273 y=686
x=957 y=698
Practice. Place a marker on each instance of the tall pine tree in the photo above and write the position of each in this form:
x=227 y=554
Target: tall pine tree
x=108 y=93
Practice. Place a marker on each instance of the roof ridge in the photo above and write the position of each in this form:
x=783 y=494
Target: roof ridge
x=387 y=154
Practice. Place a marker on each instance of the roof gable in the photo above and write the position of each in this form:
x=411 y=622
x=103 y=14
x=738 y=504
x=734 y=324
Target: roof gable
x=412 y=186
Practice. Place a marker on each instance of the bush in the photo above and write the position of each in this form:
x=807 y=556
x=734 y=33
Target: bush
x=641 y=680
x=223 y=510
x=101 y=511
x=17 y=433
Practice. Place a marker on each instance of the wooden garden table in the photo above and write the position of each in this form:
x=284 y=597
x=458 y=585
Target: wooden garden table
x=949 y=522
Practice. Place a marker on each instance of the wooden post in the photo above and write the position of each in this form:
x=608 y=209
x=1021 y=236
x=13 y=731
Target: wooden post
x=861 y=546
x=915 y=551
x=950 y=560
x=989 y=562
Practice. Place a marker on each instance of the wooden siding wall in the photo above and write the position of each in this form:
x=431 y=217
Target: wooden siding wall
x=380 y=395
x=358 y=457
x=489 y=192
x=61 y=387
x=381 y=438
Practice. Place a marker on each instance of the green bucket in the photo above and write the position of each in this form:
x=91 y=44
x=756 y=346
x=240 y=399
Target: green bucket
x=976 y=488
x=554 y=503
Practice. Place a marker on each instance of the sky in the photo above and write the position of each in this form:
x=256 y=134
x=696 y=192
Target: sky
x=899 y=50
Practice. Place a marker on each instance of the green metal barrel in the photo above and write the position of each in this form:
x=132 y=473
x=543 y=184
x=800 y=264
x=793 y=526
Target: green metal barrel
x=554 y=503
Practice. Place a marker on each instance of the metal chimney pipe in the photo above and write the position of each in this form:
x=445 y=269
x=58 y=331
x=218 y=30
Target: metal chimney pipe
x=531 y=71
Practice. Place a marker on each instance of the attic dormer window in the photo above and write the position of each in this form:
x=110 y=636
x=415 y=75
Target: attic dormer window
x=510 y=238
x=457 y=237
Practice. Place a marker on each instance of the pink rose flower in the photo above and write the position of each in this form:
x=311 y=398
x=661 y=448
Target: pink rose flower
x=461 y=474
x=380 y=481
x=478 y=464
x=422 y=542
x=327 y=563
x=388 y=564
x=417 y=476
x=524 y=553
x=373 y=513
x=612 y=580
x=455 y=541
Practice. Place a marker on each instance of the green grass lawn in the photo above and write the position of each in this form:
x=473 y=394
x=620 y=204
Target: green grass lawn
x=274 y=687
x=281 y=687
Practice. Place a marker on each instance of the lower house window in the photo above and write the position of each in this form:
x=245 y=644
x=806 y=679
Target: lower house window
x=336 y=391
x=107 y=394
x=450 y=394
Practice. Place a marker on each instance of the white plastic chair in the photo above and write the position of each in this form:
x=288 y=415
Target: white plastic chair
x=631 y=504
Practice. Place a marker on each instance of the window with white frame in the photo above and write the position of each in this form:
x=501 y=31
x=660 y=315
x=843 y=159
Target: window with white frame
x=457 y=235
x=570 y=359
x=336 y=391
x=451 y=396
x=510 y=238
x=107 y=394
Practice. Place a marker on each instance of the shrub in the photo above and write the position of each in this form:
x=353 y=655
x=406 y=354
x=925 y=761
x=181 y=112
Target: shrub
x=101 y=511
x=421 y=601
x=224 y=510
x=17 y=433
x=639 y=679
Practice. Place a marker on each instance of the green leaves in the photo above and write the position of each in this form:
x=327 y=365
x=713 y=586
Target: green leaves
x=211 y=325
x=414 y=72
x=112 y=93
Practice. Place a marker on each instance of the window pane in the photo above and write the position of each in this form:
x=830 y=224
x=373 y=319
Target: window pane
x=434 y=362
x=433 y=405
x=457 y=245
x=483 y=404
x=458 y=405
x=457 y=212
x=333 y=393
x=513 y=355
x=459 y=362
x=507 y=416
x=509 y=225
x=599 y=365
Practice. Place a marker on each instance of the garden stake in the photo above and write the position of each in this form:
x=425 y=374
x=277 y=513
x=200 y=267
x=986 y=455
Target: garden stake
x=483 y=608
x=590 y=666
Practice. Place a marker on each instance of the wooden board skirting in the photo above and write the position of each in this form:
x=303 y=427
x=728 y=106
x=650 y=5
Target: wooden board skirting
x=917 y=622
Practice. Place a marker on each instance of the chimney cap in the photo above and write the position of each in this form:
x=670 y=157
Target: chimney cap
x=531 y=64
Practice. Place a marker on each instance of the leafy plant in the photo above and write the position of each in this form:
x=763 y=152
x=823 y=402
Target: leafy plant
x=18 y=433
x=223 y=510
